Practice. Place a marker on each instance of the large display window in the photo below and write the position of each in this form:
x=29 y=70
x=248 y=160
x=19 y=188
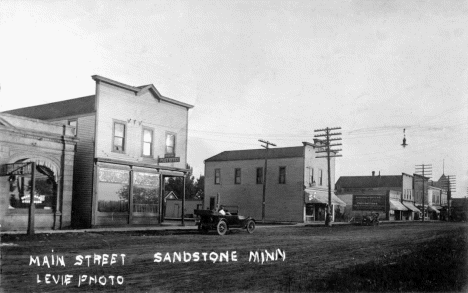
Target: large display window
x=113 y=190
x=45 y=193
x=146 y=187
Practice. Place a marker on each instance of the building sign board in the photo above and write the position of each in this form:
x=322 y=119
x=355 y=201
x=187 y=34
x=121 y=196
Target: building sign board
x=169 y=160
x=369 y=202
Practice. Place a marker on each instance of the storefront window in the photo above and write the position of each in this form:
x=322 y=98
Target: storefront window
x=45 y=194
x=145 y=192
x=113 y=190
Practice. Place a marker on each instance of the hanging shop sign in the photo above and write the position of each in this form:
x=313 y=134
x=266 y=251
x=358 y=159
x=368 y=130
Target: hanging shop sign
x=169 y=160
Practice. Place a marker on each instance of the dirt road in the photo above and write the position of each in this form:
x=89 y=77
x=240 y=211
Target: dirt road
x=148 y=262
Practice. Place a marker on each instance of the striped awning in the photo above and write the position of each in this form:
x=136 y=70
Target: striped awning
x=431 y=208
x=318 y=196
x=411 y=206
x=397 y=206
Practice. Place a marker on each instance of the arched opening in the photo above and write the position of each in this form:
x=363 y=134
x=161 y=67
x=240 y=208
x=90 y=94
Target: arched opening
x=45 y=193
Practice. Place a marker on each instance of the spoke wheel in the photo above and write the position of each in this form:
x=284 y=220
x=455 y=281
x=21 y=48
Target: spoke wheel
x=250 y=226
x=222 y=228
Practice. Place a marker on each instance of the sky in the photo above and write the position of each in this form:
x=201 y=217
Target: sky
x=271 y=70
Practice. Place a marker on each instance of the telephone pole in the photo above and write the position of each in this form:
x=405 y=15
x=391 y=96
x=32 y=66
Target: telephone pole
x=450 y=186
x=266 y=146
x=327 y=148
x=424 y=170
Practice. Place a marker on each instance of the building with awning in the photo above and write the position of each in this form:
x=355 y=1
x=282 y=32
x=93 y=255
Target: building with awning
x=294 y=183
x=396 y=205
x=130 y=139
x=411 y=206
x=316 y=202
x=386 y=193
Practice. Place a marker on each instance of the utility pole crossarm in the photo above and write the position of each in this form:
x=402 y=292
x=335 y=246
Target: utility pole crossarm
x=425 y=170
x=331 y=150
x=325 y=147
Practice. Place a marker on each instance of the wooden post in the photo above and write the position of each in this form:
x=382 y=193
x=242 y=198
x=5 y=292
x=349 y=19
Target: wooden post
x=183 y=204
x=32 y=205
x=130 y=198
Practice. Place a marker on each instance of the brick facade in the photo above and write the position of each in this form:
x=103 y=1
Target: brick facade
x=50 y=146
x=283 y=201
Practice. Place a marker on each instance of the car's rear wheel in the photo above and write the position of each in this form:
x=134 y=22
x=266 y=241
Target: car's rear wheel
x=250 y=226
x=222 y=228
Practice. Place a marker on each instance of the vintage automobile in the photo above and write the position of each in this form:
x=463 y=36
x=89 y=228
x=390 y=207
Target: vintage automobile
x=210 y=220
x=371 y=220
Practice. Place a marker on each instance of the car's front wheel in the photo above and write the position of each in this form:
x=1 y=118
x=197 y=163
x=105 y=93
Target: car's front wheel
x=222 y=228
x=250 y=226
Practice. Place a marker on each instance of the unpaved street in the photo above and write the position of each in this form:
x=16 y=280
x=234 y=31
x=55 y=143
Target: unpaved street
x=311 y=254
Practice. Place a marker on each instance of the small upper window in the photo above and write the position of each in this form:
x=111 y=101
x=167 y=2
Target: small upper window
x=217 y=176
x=170 y=144
x=282 y=175
x=237 y=176
x=74 y=123
x=119 y=137
x=320 y=177
x=259 y=175
x=147 y=142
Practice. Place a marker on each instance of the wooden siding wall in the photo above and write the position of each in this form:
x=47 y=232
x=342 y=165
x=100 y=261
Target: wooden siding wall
x=83 y=172
x=137 y=112
x=318 y=163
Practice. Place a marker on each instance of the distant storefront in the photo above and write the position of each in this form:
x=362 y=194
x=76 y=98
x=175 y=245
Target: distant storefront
x=316 y=206
x=387 y=204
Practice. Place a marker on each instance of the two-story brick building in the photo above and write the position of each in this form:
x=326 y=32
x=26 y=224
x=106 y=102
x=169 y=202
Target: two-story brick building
x=51 y=148
x=296 y=183
x=130 y=138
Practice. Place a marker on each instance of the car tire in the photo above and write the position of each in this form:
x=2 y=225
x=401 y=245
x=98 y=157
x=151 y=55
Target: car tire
x=222 y=228
x=250 y=226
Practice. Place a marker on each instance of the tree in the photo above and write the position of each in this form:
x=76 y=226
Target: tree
x=200 y=187
x=193 y=188
x=141 y=195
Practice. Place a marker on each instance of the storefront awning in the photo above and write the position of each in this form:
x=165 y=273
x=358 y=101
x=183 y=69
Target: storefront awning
x=431 y=208
x=397 y=206
x=411 y=206
x=318 y=196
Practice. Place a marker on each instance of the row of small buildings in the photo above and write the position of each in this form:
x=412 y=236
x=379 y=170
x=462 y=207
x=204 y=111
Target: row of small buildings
x=102 y=160
x=297 y=188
